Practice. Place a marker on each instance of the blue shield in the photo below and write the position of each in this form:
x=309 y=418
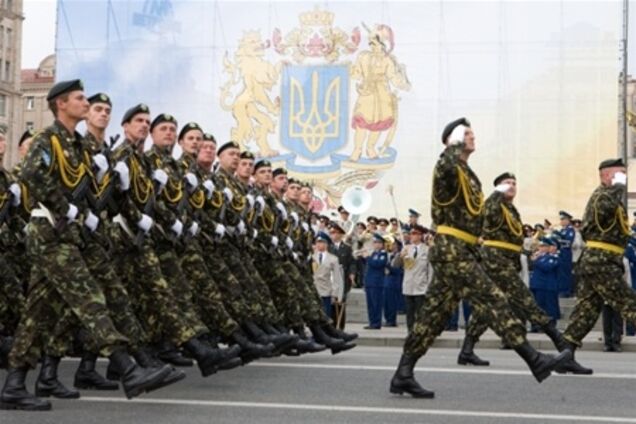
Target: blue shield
x=314 y=109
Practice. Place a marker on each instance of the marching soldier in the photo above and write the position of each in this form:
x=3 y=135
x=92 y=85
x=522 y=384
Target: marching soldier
x=606 y=231
x=54 y=171
x=457 y=211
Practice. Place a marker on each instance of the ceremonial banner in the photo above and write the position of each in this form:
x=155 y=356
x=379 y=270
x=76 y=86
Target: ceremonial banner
x=357 y=93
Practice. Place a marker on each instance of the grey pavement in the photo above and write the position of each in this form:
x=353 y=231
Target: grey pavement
x=353 y=388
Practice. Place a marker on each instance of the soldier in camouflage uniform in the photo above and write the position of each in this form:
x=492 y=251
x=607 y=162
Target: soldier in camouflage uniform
x=599 y=270
x=56 y=172
x=457 y=211
x=502 y=235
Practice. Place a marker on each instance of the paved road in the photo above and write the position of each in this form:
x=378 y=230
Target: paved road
x=352 y=388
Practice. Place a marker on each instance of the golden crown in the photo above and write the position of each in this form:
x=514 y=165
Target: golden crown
x=317 y=17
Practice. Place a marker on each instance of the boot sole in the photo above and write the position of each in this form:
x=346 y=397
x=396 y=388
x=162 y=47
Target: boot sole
x=398 y=391
x=44 y=394
x=337 y=350
x=137 y=390
x=465 y=362
x=564 y=356
x=84 y=386
x=13 y=407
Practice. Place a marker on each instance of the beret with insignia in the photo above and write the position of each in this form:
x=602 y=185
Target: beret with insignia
x=294 y=181
x=228 y=145
x=161 y=118
x=247 y=155
x=64 y=87
x=504 y=176
x=448 y=129
x=135 y=110
x=611 y=163
x=263 y=163
x=100 y=98
x=26 y=135
x=209 y=137
x=279 y=171
x=187 y=127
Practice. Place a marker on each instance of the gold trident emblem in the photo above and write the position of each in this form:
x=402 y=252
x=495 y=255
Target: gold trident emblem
x=315 y=127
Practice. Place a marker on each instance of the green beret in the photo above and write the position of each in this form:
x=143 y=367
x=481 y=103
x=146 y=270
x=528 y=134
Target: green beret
x=209 y=137
x=64 y=87
x=504 y=176
x=228 y=145
x=161 y=118
x=247 y=155
x=279 y=171
x=130 y=113
x=25 y=135
x=611 y=163
x=100 y=98
x=452 y=125
x=187 y=127
x=263 y=163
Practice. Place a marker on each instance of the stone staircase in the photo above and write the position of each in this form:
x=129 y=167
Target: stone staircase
x=357 y=311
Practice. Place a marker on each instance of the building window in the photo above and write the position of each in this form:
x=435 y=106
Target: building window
x=3 y=105
x=7 y=70
x=29 y=125
x=9 y=32
x=30 y=103
x=1 y=35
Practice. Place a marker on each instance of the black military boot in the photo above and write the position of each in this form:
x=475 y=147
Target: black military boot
x=169 y=353
x=306 y=344
x=47 y=383
x=539 y=363
x=288 y=341
x=134 y=378
x=86 y=378
x=15 y=395
x=262 y=337
x=339 y=334
x=403 y=380
x=336 y=345
x=208 y=359
x=467 y=355
x=233 y=352
x=571 y=366
x=249 y=349
x=6 y=343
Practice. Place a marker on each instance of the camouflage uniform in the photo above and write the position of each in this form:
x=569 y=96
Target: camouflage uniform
x=600 y=268
x=503 y=240
x=139 y=263
x=52 y=169
x=457 y=207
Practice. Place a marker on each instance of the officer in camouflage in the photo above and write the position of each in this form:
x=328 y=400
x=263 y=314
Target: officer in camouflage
x=458 y=211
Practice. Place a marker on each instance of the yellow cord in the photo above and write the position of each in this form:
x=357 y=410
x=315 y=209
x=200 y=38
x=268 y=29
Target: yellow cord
x=197 y=200
x=142 y=187
x=474 y=201
x=70 y=175
x=515 y=226
x=217 y=199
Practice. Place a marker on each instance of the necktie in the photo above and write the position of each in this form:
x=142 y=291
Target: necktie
x=415 y=254
x=320 y=258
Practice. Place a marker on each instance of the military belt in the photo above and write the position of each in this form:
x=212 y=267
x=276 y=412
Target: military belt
x=503 y=245
x=462 y=235
x=608 y=247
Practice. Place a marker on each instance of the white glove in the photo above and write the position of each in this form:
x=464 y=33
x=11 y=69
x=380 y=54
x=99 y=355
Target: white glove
x=294 y=215
x=101 y=163
x=219 y=230
x=71 y=214
x=295 y=256
x=281 y=209
x=209 y=188
x=261 y=202
x=177 y=227
x=124 y=175
x=503 y=188
x=305 y=226
x=228 y=194
x=160 y=176
x=194 y=229
x=241 y=227
x=619 y=178
x=289 y=243
x=145 y=223
x=191 y=180
x=254 y=233
x=274 y=241
x=457 y=136
x=91 y=221
x=250 y=200
x=17 y=194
